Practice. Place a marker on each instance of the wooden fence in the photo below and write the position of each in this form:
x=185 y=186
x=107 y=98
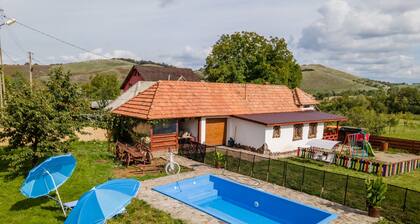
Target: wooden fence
x=410 y=145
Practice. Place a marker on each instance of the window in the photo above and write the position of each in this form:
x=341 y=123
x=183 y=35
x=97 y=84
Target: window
x=297 y=132
x=276 y=132
x=165 y=127
x=312 y=130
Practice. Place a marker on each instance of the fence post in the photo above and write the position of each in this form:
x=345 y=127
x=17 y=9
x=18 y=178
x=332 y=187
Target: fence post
x=303 y=178
x=239 y=163
x=252 y=170
x=268 y=168
x=285 y=174
x=345 y=192
x=323 y=184
x=405 y=199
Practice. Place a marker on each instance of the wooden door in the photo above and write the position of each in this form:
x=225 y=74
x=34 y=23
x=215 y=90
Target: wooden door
x=215 y=131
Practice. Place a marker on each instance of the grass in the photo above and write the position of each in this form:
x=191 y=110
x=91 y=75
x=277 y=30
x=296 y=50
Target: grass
x=94 y=166
x=405 y=130
x=308 y=176
x=319 y=78
x=81 y=71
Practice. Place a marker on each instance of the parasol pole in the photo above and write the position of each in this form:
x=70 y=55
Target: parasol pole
x=56 y=191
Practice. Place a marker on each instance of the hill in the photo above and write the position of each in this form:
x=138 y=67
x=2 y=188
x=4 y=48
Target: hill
x=316 y=78
x=320 y=79
x=81 y=71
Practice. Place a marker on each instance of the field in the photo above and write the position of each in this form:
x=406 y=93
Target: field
x=94 y=165
x=81 y=71
x=319 y=78
x=406 y=130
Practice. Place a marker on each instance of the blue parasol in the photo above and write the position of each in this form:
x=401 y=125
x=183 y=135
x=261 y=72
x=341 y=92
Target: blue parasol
x=103 y=201
x=48 y=176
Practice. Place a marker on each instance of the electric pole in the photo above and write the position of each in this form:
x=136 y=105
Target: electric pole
x=1 y=78
x=4 y=21
x=30 y=69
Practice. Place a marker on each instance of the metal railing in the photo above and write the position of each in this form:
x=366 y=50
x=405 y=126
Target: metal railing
x=401 y=204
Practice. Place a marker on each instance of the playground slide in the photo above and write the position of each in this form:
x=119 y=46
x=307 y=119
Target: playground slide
x=369 y=149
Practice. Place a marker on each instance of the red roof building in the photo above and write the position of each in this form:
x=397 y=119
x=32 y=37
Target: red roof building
x=156 y=73
x=271 y=116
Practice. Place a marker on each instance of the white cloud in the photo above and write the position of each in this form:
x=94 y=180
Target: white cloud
x=370 y=38
x=97 y=53
x=189 y=57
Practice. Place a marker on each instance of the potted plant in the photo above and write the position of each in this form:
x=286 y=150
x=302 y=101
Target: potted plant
x=219 y=160
x=375 y=194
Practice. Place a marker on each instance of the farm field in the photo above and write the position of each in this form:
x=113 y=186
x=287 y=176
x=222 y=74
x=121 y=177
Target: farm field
x=408 y=130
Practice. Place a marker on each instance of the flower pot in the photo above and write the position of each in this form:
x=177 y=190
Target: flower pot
x=219 y=165
x=373 y=212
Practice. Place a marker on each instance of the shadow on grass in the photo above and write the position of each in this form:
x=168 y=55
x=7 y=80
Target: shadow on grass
x=28 y=203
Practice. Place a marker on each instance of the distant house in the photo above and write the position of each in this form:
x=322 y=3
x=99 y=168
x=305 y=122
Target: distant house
x=156 y=73
x=274 y=117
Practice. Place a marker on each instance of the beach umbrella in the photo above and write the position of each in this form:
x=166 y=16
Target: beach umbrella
x=103 y=201
x=48 y=176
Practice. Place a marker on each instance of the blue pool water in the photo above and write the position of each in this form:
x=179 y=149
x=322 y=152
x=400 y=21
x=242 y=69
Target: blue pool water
x=233 y=202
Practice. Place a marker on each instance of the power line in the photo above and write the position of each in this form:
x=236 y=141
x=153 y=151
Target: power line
x=9 y=57
x=60 y=40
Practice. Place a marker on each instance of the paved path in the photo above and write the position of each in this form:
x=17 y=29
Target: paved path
x=182 y=211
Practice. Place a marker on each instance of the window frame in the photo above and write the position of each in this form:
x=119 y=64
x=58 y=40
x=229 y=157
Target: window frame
x=313 y=130
x=297 y=127
x=275 y=135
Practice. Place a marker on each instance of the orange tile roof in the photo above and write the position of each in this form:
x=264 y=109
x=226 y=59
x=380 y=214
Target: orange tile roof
x=305 y=98
x=174 y=99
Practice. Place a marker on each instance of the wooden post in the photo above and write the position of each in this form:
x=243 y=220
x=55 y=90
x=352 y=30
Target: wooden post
x=30 y=69
x=336 y=131
x=151 y=138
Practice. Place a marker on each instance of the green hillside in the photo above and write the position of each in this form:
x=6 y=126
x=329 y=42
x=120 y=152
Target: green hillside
x=81 y=71
x=316 y=78
x=319 y=78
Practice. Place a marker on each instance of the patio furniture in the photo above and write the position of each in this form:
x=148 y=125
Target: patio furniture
x=104 y=201
x=137 y=154
x=49 y=176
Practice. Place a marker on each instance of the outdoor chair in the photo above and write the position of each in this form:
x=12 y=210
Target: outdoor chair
x=140 y=153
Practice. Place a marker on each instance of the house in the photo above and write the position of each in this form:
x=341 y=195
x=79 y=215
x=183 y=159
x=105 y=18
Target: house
x=271 y=116
x=156 y=73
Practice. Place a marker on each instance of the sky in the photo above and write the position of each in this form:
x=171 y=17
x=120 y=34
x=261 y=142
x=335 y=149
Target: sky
x=370 y=38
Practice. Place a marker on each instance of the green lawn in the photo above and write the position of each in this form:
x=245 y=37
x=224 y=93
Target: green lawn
x=409 y=130
x=94 y=166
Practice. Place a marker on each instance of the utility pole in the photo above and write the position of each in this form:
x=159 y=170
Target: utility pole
x=30 y=69
x=1 y=78
x=4 y=21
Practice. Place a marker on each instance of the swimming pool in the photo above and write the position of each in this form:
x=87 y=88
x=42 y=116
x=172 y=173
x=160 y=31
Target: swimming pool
x=233 y=202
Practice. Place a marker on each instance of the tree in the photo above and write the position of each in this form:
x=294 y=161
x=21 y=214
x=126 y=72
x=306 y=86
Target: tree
x=103 y=87
x=245 y=57
x=42 y=121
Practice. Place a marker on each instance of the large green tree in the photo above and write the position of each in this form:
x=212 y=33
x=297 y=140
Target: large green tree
x=103 y=87
x=248 y=57
x=40 y=122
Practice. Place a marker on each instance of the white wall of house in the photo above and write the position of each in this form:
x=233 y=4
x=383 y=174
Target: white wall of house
x=253 y=134
x=285 y=143
x=203 y=130
x=191 y=125
x=245 y=132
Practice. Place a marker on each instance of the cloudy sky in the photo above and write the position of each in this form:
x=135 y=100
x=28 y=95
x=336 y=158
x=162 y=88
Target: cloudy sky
x=374 y=39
